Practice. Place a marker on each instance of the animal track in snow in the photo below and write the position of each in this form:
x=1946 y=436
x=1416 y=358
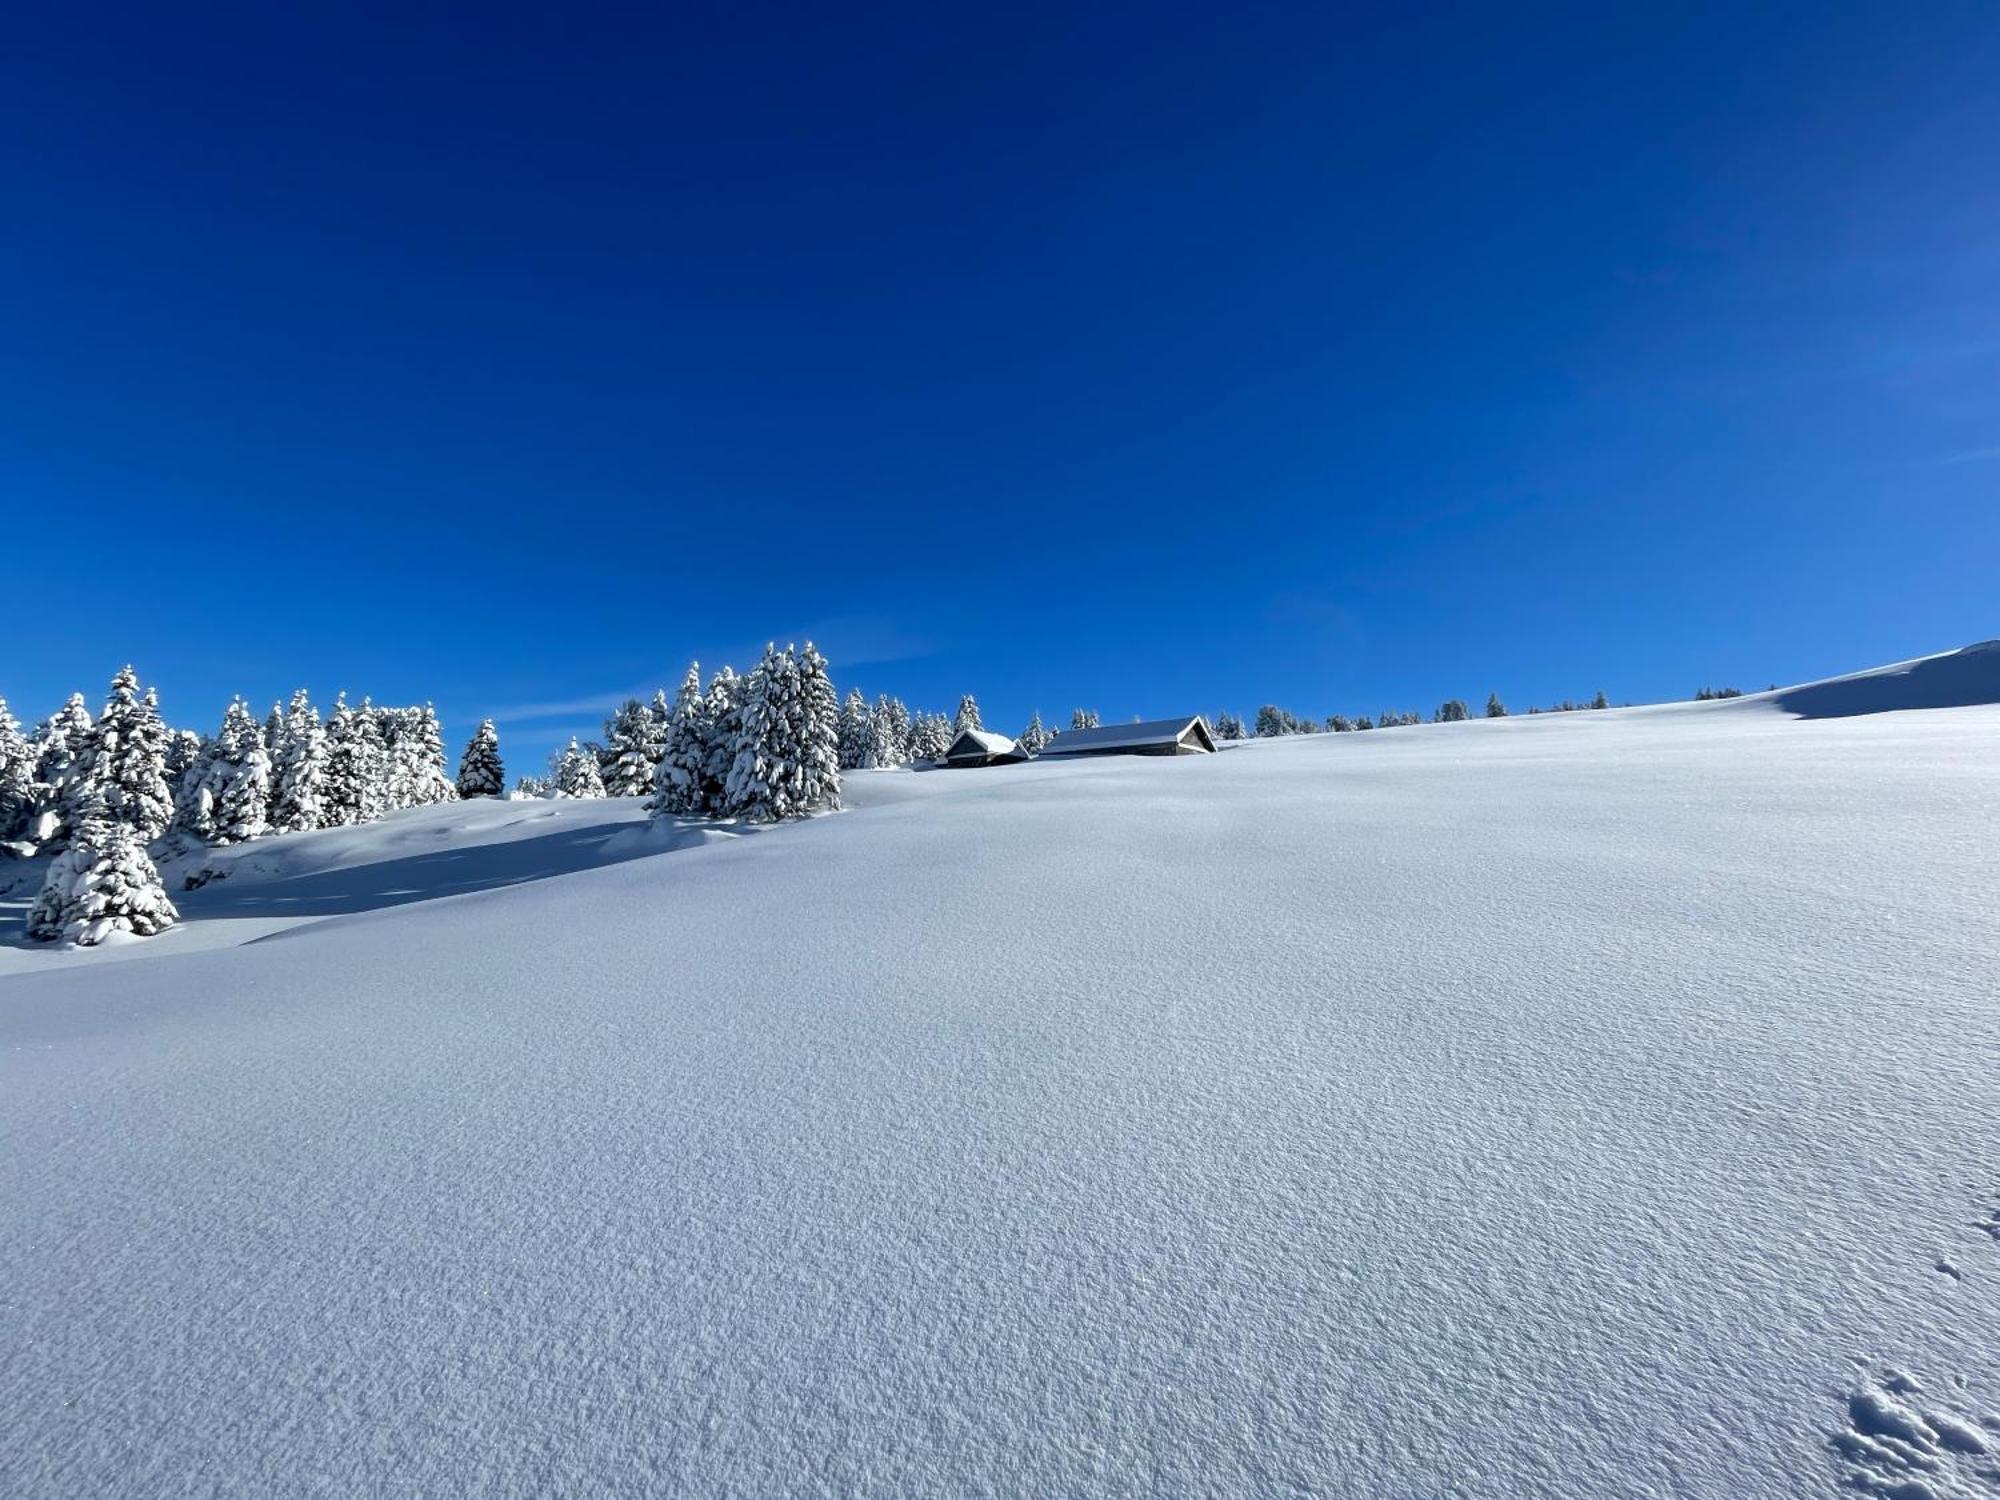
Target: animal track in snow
x=1900 y=1443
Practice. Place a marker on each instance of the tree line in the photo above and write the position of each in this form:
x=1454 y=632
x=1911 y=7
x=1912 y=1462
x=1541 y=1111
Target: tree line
x=103 y=792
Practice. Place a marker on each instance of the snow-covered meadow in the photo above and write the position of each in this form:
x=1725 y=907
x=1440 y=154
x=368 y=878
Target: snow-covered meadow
x=1597 y=1104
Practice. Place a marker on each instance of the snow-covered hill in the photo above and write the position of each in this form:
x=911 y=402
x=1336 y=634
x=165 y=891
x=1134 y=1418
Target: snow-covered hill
x=1596 y=1104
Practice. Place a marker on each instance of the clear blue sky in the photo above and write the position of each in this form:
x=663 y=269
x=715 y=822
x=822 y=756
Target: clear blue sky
x=1153 y=357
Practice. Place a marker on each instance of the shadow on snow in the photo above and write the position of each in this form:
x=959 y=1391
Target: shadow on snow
x=1958 y=679
x=406 y=879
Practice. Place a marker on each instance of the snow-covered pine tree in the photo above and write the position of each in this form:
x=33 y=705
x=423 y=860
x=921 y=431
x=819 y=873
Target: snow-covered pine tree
x=1600 y=701
x=677 y=780
x=413 y=773
x=930 y=736
x=1453 y=711
x=659 y=715
x=788 y=739
x=722 y=727
x=480 y=773
x=298 y=797
x=967 y=716
x=17 y=777
x=434 y=784
x=625 y=765
x=819 y=768
x=103 y=883
x=183 y=749
x=400 y=776
x=58 y=746
x=1035 y=736
x=1229 y=726
x=392 y=787
x=890 y=724
x=353 y=791
x=241 y=785
x=273 y=736
x=1495 y=709
x=857 y=731
x=194 y=798
x=122 y=763
x=373 y=757
x=531 y=787
x=574 y=771
x=1083 y=718
x=340 y=792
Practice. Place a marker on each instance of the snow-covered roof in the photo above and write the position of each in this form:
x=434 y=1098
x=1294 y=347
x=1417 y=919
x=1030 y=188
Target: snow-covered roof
x=1127 y=736
x=981 y=742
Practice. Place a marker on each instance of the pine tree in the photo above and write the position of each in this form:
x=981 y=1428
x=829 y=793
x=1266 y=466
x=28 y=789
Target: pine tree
x=533 y=787
x=58 y=746
x=1600 y=701
x=434 y=784
x=678 y=779
x=1339 y=724
x=241 y=788
x=1495 y=709
x=353 y=791
x=930 y=737
x=788 y=739
x=857 y=732
x=1083 y=718
x=889 y=722
x=659 y=716
x=819 y=765
x=104 y=883
x=480 y=773
x=121 y=766
x=1273 y=721
x=401 y=774
x=413 y=773
x=967 y=716
x=1035 y=736
x=1452 y=711
x=722 y=727
x=1228 y=726
x=17 y=777
x=625 y=765
x=298 y=797
x=183 y=748
x=574 y=771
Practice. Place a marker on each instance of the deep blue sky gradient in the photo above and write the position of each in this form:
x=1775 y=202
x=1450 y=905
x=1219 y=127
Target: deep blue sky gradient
x=1155 y=357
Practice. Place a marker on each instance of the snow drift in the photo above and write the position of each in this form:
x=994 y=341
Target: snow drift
x=1588 y=1104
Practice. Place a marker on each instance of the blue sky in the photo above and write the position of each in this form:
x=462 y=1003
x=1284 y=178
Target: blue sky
x=1150 y=357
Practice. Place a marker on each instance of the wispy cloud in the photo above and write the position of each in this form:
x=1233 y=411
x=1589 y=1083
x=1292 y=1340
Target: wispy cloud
x=847 y=640
x=1976 y=456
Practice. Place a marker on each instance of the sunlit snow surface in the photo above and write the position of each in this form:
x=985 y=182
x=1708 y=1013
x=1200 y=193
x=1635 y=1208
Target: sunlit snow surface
x=1595 y=1105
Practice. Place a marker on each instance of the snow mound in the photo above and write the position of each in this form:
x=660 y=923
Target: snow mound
x=1952 y=679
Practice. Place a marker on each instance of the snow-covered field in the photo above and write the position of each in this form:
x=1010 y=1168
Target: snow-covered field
x=1604 y=1104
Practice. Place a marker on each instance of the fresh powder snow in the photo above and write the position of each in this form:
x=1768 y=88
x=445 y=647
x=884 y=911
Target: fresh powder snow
x=1593 y=1104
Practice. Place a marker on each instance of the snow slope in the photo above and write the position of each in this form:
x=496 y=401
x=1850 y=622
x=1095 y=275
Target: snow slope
x=1587 y=1105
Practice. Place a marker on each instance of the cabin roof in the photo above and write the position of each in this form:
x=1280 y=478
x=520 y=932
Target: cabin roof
x=1129 y=736
x=981 y=742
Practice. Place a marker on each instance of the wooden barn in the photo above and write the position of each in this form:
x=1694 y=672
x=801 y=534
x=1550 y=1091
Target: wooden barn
x=982 y=747
x=1189 y=736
